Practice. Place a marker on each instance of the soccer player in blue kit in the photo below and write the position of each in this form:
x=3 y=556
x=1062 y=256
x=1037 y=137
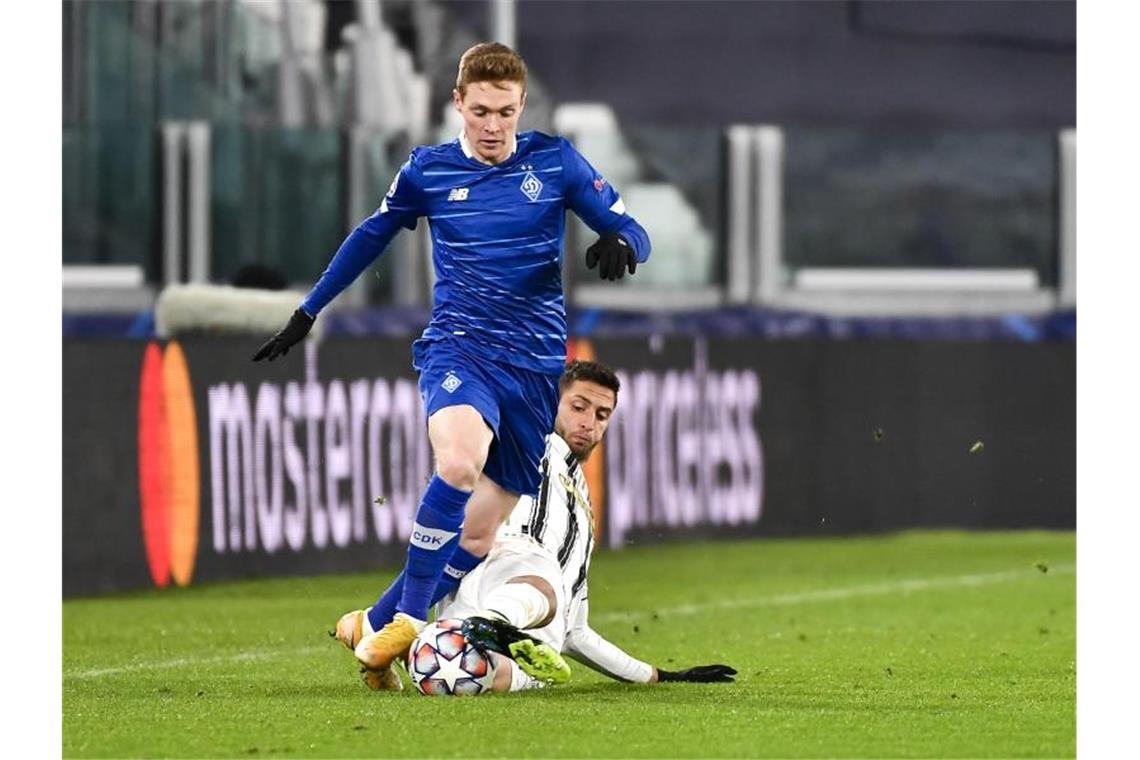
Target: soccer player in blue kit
x=490 y=359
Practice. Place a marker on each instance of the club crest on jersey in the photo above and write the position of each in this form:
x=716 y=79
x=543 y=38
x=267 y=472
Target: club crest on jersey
x=457 y=194
x=599 y=183
x=569 y=485
x=530 y=186
x=451 y=382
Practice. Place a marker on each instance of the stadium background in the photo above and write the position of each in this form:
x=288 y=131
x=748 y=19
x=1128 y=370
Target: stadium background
x=858 y=330
x=864 y=266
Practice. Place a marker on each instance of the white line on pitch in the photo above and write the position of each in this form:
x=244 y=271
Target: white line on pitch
x=805 y=597
x=183 y=662
x=774 y=600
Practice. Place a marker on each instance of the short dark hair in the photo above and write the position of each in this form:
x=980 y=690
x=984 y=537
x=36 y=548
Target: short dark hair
x=594 y=372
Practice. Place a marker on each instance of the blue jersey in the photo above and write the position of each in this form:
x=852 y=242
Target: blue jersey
x=496 y=243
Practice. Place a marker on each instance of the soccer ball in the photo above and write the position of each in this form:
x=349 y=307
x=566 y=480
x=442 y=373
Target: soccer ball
x=442 y=661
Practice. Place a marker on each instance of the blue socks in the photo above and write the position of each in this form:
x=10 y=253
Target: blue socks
x=461 y=563
x=385 y=608
x=435 y=535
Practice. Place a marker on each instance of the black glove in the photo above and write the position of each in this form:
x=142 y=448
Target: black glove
x=699 y=674
x=289 y=335
x=611 y=255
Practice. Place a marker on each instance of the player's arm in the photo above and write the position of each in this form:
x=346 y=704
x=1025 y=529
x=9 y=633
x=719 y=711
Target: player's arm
x=622 y=242
x=588 y=647
x=401 y=207
x=591 y=649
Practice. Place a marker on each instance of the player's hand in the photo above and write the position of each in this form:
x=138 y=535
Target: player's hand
x=699 y=674
x=288 y=336
x=611 y=255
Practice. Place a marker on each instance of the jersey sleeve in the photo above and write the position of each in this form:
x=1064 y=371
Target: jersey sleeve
x=588 y=647
x=404 y=202
x=597 y=203
x=401 y=207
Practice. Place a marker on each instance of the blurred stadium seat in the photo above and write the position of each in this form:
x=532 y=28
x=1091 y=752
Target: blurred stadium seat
x=310 y=107
x=682 y=248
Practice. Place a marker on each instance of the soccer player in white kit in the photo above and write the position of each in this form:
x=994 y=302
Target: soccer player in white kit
x=533 y=585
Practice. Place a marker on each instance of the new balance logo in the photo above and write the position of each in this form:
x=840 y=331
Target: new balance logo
x=451 y=382
x=530 y=186
x=457 y=194
x=454 y=573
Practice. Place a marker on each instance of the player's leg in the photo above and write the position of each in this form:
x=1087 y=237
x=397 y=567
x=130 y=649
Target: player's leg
x=460 y=438
x=488 y=507
x=510 y=677
x=507 y=624
x=528 y=402
x=461 y=403
x=525 y=601
x=490 y=500
x=467 y=601
x=519 y=586
x=517 y=609
x=518 y=406
x=536 y=658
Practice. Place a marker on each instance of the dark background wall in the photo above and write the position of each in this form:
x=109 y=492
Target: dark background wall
x=930 y=402
x=952 y=64
x=712 y=436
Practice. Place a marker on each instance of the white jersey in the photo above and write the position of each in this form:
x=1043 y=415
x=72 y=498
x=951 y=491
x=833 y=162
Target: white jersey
x=561 y=521
x=559 y=518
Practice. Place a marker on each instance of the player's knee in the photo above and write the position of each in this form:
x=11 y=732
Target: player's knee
x=477 y=542
x=484 y=515
x=544 y=587
x=458 y=471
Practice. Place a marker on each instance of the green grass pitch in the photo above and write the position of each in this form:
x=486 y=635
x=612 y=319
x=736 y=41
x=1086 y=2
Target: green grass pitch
x=926 y=644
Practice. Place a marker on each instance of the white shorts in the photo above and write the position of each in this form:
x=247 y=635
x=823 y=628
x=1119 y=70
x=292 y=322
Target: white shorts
x=509 y=558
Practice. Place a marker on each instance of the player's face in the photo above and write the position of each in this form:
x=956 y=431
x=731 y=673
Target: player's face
x=490 y=112
x=584 y=413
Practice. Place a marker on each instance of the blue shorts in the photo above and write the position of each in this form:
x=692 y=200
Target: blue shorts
x=517 y=404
